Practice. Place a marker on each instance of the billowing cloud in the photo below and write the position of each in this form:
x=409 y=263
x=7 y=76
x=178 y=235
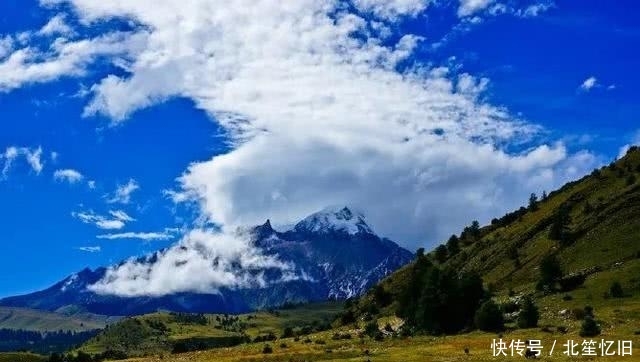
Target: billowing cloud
x=64 y=58
x=68 y=175
x=634 y=141
x=217 y=259
x=390 y=9
x=6 y=46
x=317 y=113
x=117 y=219
x=122 y=194
x=470 y=7
x=56 y=26
x=318 y=116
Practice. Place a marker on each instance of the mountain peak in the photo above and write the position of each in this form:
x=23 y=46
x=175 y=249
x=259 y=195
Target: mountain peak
x=334 y=219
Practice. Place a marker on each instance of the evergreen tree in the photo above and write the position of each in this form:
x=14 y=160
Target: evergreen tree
x=453 y=245
x=550 y=271
x=372 y=329
x=529 y=314
x=288 y=333
x=489 y=317
x=631 y=179
x=589 y=328
x=438 y=301
x=560 y=226
x=475 y=229
x=533 y=202
x=381 y=297
x=441 y=253
x=616 y=290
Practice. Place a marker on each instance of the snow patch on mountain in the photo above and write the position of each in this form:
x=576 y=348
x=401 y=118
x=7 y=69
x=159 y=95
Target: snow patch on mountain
x=335 y=219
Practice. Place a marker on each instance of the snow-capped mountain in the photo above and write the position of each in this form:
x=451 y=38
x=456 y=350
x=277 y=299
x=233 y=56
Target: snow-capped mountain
x=334 y=252
x=334 y=220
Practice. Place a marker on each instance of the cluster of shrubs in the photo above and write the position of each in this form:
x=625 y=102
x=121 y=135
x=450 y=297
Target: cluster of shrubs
x=190 y=318
x=341 y=336
x=232 y=323
x=199 y=344
x=109 y=355
x=37 y=342
x=490 y=316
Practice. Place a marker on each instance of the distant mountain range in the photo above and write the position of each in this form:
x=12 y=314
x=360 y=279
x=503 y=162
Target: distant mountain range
x=339 y=254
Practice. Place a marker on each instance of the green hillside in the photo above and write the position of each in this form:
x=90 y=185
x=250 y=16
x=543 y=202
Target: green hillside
x=21 y=357
x=166 y=332
x=599 y=238
x=36 y=320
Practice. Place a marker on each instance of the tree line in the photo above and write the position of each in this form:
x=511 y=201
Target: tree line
x=42 y=342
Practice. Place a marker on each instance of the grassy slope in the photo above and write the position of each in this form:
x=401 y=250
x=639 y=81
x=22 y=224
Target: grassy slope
x=607 y=238
x=35 y=320
x=608 y=235
x=416 y=349
x=21 y=357
x=137 y=336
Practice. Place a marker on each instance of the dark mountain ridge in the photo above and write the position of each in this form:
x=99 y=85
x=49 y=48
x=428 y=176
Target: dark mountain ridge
x=336 y=252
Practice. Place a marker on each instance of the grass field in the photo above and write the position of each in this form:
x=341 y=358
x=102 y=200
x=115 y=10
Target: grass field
x=158 y=332
x=21 y=357
x=417 y=349
x=620 y=320
x=35 y=320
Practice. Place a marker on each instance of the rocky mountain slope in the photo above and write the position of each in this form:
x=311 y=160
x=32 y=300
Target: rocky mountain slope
x=335 y=250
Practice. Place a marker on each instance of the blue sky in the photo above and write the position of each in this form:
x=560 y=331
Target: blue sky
x=561 y=84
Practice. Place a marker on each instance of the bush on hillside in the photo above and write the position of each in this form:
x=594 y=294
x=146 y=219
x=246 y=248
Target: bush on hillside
x=589 y=328
x=529 y=314
x=616 y=291
x=489 y=317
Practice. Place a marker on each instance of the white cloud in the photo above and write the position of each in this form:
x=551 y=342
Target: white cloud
x=90 y=249
x=217 y=259
x=9 y=156
x=91 y=184
x=316 y=117
x=56 y=26
x=147 y=236
x=534 y=10
x=121 y=215
x=116 y=221
x=122 y=194
x=6 y=46
x=319 y=117
x=69 y=175
x=589 y=83
x=30 y=65
x=530 y=11
x=54 y=156
x=635 y=141
x=33 y=158
x=31 y=155
x=470 y=7
x=390 y=9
